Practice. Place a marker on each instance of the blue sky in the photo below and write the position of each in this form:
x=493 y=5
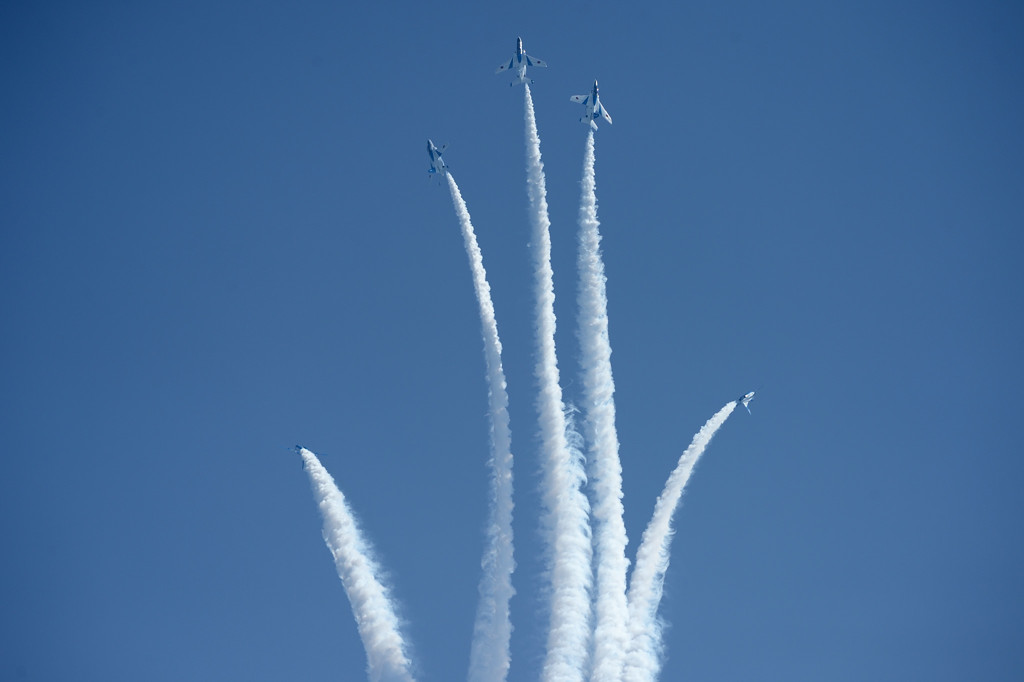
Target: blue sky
x=218 y=239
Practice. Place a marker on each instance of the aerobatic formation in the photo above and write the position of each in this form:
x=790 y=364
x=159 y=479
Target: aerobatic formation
x=603 y=624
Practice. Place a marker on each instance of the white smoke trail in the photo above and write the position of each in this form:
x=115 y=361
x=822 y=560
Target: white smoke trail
x=643 y=662
x=489 y=654
x=386 y=660
x=611 y=634
x=565 y=506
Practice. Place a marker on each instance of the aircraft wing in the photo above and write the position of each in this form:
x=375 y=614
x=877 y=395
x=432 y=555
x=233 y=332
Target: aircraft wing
x=579 y=99
x=533 y=61
x=506 y=67
x=607 y=116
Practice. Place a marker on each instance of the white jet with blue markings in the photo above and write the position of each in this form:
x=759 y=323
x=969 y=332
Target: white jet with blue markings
x=437 y=164
x=592 y=102
x=518 y=64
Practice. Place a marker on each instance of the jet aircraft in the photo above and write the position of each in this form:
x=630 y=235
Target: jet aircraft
x=594 y=108
x=745 y=400
x=518 y=64
x=437 y=164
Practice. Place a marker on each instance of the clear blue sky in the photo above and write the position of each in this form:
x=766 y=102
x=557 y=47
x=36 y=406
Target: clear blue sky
x=218 y=239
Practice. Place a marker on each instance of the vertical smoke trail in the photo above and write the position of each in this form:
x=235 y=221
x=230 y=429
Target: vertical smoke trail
x=489 y=655
x=611 y=634
x=386 y=660
x=565 y=506
x=643 y=660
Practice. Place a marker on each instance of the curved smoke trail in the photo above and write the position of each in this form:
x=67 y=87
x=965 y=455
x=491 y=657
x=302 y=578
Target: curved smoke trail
x=643 y=662
x=386 y=660
x=565 y=506
x=611 y=634
x=489 y=654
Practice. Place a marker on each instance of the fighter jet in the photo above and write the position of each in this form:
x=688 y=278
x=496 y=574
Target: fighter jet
x=518 y=64
x=745 y=400
x=594 y=107
x=437 y=164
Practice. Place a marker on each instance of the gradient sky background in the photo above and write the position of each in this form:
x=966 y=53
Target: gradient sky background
x=218 y=239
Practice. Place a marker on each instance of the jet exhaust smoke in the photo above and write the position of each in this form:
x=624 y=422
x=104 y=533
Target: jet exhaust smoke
x=492 y=631
x=566 y=509
x=643 y=662
x=598 y=629
x=611 y=633
x=386 y=659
